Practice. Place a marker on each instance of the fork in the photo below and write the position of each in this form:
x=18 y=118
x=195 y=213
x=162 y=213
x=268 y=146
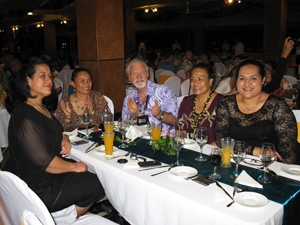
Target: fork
x=191 y=177
x=127 y=154
x=235 y=185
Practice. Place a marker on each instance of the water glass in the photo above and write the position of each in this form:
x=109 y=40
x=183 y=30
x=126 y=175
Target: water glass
x=215 y=159
x=86 y=120
x=177 y=143
x=267 y=156
x=238 y=155
x=201 y=138
x=123 y=128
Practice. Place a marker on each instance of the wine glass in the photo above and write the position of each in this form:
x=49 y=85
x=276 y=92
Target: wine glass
x=105 y=115
x=86 y=120
x=149 y=131
x=201 y=138
x=177 y=143
x=238 y=155
x=123 y=126
x=267 y=156
x=215 y=159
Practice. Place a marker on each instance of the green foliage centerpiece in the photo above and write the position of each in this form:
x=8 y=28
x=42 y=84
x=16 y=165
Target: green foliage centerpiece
x=163 y=145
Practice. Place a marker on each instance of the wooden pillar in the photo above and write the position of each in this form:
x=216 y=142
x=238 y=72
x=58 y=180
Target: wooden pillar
x=129 y=32
x=101 y=46
x=49 y=37
x=274 y=28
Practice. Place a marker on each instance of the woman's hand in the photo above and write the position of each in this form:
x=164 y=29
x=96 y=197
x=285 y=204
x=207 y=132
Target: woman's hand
x=256 y=152
x=287 y=47
x=278 y=157
x=66 y=146
x=66 y=109
x=90 y=105
x=132 y=106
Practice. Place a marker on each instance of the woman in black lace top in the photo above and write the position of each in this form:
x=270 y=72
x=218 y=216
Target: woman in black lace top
x=257 y=117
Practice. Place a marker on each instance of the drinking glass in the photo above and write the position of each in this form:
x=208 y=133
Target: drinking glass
x=201 y=138
x=123 y=128
x=238 y=155
x=86 y=120
x=267 y=156
x=215 y=159
x=109 y=125
x=108 y=137
x=177 y=143
x=106 y=115
x=227 y=148
x=156 y=131
x=150 y=133
x=132 y=118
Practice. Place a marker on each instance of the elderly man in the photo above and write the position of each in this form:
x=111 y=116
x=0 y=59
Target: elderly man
x=158 y=102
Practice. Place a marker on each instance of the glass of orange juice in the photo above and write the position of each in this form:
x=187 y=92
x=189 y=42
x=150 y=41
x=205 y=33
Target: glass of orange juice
x=108 y=137
x=109 y=125
x=227 y=148
x=156 y=131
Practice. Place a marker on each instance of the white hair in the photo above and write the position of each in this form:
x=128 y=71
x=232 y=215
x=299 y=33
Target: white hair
x=136 y=61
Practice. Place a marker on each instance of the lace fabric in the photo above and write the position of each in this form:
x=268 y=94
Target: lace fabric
x=274 y=122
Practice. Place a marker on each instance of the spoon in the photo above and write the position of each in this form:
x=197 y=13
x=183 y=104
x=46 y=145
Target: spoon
x=162 y=171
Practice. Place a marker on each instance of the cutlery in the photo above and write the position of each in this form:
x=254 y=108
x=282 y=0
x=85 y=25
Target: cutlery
x=127 y=154
x=235 y=186
x=191 y=177
x=93 y=148
x=162 y=171
x=219 y=185
x=153 y=168
x=87 y=150
x=274 y=174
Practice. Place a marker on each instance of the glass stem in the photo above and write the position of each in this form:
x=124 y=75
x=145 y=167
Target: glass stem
x=265 y=173
x=215 y=170
x=237 y=170
x=87 y=130
x=123 y=139
x=177 y=154
x=201 y=149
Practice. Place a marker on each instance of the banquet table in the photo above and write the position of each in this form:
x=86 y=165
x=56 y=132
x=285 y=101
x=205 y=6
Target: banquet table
x=168 y=199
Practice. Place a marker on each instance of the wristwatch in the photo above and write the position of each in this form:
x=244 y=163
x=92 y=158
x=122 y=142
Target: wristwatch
x=162 y=116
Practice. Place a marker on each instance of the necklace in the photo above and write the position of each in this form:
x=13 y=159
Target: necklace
x=45 y=111
x=78 y=107
x=250 y=110
x=195 y=124
x=143 y=103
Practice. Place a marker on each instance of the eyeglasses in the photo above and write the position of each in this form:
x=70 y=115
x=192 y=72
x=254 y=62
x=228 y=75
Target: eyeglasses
x=138 y=158
x=266 y=67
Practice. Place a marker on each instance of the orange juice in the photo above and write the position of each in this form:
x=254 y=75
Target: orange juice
x=109 y=126
x=226 y=154
x=108 y=137
x=156 y=130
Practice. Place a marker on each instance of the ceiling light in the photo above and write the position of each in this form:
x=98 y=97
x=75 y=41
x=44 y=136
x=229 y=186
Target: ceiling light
x=29 y=13
x=146 y=10
x=239 y=1
x=38 y=25
x=230 y=1
x=17 y=28
x=63 y=21
x=154 y=9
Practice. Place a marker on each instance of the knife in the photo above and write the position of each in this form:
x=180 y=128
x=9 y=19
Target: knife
x=153 y=168
x=219 y=185
x=87 y=150
x=273 y=174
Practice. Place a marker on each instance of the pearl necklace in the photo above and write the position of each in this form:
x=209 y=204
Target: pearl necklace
x=45 y=111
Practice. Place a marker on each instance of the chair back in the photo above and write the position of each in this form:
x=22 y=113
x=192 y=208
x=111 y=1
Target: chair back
x=179 y=100
x=220 y=67
x=216 y=81
x=174 y=83
x=65 y=76
x=181 y=74
x=157 y=73
x=165 y=75
x=297 y=116
x=110 y=105
x=62 y=87
x=293 y=80
x=151 y=75
x=185 y=87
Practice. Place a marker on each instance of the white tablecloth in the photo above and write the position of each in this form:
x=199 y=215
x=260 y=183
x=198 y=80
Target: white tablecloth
x=4 y=120
x=168 y=199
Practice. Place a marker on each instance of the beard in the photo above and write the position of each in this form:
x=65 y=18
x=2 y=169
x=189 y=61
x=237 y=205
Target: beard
x=140 y=85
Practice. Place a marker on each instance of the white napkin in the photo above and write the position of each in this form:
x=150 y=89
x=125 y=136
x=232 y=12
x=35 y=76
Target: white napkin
x=133 y=133
x=131 y=165
x=71 y=133
x=245 y=179
x=84 y=131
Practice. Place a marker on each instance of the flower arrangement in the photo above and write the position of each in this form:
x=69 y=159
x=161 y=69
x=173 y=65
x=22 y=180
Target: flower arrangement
x=163 y=145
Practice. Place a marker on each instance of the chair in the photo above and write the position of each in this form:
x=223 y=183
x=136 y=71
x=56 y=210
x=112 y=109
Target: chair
x=181 y=74
x=62 y=87
x=151 y=75
x=297 y=116
x=221 y=66
x=65 y=76
x=110 y=105
x=19 y=199
x=185 y=87
x=179 y=100
x=165 y=75
x=157 y=73
x=293 y=80
x=174 y=83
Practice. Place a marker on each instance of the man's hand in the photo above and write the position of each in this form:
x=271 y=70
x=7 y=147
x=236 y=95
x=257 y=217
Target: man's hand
x=287 y=47
x=156 y=111
x=132 y=106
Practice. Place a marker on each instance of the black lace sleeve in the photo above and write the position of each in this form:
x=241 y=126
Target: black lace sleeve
x=286 y=130
x=31 y=137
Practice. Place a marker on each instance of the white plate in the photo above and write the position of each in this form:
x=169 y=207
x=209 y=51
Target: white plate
x=189 y=141
x=102 y=149
x=253 y=162
x=291 y=169
x=183 y=171
x=251 y=199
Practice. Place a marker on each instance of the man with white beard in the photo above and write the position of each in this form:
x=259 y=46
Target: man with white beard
x=158 y=102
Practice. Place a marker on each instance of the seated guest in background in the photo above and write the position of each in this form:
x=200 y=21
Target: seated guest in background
x=37 y=145
x=199 y=109
x=285 y=89
x=168 y=63
x=256 y=117
x=158 y=102
x=188 y=63
x=72 y=107
x=204 y=58
x=227 y=85
x=275 y=73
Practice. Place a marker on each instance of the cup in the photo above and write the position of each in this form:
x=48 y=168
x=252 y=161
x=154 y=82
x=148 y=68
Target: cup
x=108 y=137
x=227 y=148
x=156 y=131
x=109 y=125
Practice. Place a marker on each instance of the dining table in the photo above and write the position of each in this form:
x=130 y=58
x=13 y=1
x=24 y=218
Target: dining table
x=171 y=199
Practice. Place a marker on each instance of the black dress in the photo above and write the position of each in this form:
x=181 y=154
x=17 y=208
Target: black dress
x=34 y=141
x=274 y=123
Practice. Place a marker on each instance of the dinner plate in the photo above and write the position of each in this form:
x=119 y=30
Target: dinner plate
x=251 y=199
x=291 y=169
x=183 y=171
x=253 y=162
x=102 y=149
x=189 y=141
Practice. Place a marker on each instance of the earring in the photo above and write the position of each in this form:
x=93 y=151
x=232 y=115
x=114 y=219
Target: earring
x=29 y=85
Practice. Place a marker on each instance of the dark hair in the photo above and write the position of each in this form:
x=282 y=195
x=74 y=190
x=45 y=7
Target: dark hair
x=168 y=53
x=272 y=62
x=252 y=62
x=205 y=67
x=78 y=70
x=19 y=89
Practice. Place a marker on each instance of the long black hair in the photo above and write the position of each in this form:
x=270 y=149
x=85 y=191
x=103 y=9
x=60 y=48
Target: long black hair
x=19 y=89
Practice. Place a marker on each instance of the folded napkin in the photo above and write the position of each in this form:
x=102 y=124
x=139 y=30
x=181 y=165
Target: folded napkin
x=84 y=131
x=133 y=133
x=72 y=133
x=245 y=179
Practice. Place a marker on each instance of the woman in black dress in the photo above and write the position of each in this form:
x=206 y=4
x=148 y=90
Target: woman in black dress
x=37 y=145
